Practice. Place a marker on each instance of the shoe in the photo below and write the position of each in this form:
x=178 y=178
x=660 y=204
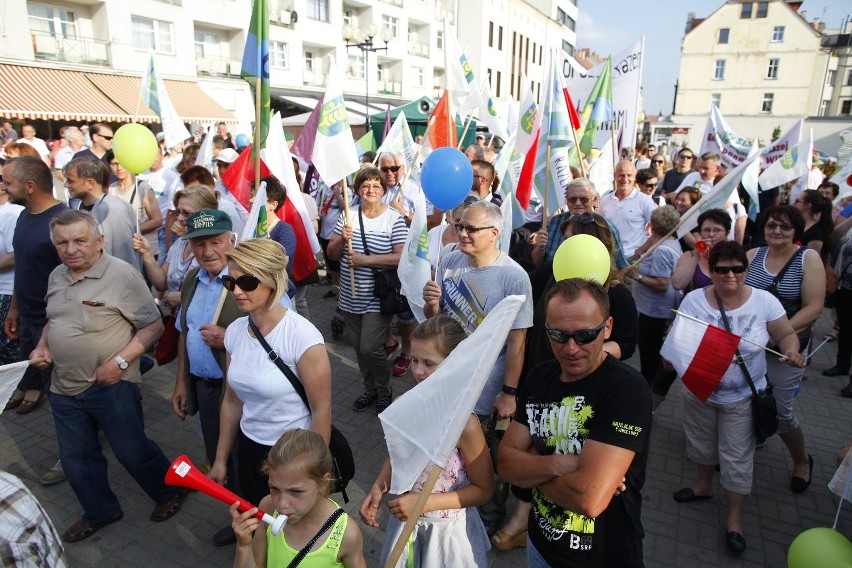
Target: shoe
x=391 y=349
x=797 y=484
x=688 y=496
x=383 y=402
x=735 y=541
x=145 y=364
x=28 y=405
x=167 y=510
x=835 y=371
x=508 y=542
x=327 y=296
x=54 y=475
x=364 y=402
x=82 y=529
x=401 y=365
x=15 y=400
x=224 y=537
x=846 y=391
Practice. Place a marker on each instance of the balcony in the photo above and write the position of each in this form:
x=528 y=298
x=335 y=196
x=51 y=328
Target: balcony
x=389 y=87
x=418 y=48
x=314 y=78
x=393 y=2
x=217 y=66
x=72 y=50
x=282 y=17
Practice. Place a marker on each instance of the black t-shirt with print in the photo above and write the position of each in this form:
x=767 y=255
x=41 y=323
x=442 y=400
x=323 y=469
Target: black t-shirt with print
x=612 y=406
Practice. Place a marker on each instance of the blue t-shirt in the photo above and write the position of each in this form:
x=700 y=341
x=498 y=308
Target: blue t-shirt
x=36 y=260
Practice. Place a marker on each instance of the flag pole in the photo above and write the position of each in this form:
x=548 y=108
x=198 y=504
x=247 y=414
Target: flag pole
x=408 y=167
x=351 y=268
x=36 y=361
x=614 y=149
x=464 y=132
x=255 y=148
x=411 y=522
x=579 y=152
x=546 y=178
x=653 y=247
x=768 y=350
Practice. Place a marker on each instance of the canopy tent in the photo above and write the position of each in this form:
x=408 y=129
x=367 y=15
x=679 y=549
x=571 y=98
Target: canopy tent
x=417 y=115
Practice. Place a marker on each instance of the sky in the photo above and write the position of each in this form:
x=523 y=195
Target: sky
x=609 y=27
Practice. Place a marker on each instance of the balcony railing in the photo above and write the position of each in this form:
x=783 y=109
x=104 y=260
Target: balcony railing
x=217 y=66
x=314 y=78
x=389 y=88
x=73 y=50
x=418 y=48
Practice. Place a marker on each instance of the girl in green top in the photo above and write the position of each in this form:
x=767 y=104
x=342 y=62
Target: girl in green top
x=299 y=467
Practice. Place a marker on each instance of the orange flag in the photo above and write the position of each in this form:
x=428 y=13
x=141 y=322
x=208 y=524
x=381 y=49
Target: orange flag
x=443 y=131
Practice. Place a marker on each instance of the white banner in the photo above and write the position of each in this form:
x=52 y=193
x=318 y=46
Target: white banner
x=626 y=82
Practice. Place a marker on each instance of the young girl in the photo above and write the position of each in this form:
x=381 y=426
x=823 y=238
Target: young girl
x=299 y=468
x=449 y=531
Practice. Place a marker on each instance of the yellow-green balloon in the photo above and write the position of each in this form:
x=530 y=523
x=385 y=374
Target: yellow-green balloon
x=135 y=147
x=581 y=256
x=821 y=547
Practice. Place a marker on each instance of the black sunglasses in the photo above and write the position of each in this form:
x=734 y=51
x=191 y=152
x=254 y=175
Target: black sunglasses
x=470 y=230
x=685 y=157
x=246 y=282
x=581 y=337
x=739 y=269
x=387 y=169
x=105 y=137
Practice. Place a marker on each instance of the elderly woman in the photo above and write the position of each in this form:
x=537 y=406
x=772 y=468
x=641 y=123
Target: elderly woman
x=383 y=231
x=795 y=275
x=260 y=403
x=720 y=430
x=693 y=269
x=652 y=289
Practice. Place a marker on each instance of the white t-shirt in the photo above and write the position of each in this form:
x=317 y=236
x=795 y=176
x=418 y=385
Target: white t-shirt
x=694 y=179
x=38 y=144
x=748 y=321
x=271 y=406
x=165 y=183
x=8 y=219
x=630 y=216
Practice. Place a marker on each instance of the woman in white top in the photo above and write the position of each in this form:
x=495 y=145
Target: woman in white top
x=260 y=403
x=141 y=197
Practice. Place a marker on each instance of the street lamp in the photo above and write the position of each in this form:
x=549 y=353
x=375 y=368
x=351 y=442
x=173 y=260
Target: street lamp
x=366 y=35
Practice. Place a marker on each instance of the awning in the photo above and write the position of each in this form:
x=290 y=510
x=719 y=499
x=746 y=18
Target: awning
x=57 y=94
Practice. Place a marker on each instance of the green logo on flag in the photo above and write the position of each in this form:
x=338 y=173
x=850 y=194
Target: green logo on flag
x=333 y=117
x=491 y=110
x=262 y=229
x=528 y=120
x=466 y=68
x=789 y=159
x=423 y=244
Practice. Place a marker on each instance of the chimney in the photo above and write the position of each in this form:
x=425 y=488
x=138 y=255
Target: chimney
x=689 y=18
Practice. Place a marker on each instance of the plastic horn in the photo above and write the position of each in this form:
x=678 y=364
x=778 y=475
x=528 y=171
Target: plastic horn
x=184 y=474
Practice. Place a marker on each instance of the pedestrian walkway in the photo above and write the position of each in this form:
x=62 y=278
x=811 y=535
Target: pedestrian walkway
x=676 y=534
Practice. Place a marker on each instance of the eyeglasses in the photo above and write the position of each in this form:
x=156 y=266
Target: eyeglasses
x=183 y=212
x=387 y=169
x=712 y=230
x=105 y=137
x=772 y=225
x=685 y=156
x=738 y=269
x=470 y=230
x=650 y=185
x=657 y=161
x=365 y=187
x=246 y=282
x=575 y=199
x=581 y=337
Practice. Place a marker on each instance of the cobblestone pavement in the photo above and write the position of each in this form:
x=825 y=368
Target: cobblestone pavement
x=676 y=535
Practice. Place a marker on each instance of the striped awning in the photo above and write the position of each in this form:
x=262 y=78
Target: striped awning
x=28 y=92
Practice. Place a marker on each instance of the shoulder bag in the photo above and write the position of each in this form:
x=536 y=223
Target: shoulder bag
x=386 y=286
x=341 y=452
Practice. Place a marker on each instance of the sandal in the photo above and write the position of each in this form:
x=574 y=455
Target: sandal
x=508 y=542
x=27 y=405
x=15 y=400
x=82 y=529
x=167 y=510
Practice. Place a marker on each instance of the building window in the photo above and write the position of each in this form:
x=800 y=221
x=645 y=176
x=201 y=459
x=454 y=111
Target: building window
x=768 y=99
x=419 y=76
x=719 y=70
x=439 y=39
x=57 y=22
x=563 y=18
x=762 y=9
x=772 y=70
x=829 y=77
x=151 y=34
x=500 y=38
x=778 y=33
x=823 y=108
x=206 y=44
x=849 y=78
x=716 y=99
x=309 y=61
x=846 y=107
x=533 y=52
x=349 y=18
x=490 y=34
x=499 y=82
x=390 y=23
x=567 y=47
x=723 y=35
x=745 y=13
x=278 y=54
x=357 y=68
x=318 y=10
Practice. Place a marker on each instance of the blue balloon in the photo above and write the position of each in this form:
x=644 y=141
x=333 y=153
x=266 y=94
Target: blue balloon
x=242 y=141
x=447 y=177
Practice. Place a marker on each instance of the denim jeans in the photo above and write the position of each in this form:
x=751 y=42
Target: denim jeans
x=534 y=557
x=117 y=410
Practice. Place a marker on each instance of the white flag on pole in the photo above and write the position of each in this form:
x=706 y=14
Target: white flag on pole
x=334 y=155
x=489 y=115
x=10 y=376
x=415 y=267
x=795 y=163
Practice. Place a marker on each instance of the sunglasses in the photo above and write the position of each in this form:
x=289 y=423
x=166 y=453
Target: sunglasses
x=772 y=225
x=656 y=161
x=581 y=337
x=184 y=212
x=685 y=157
x=738 y=269
x=574 y=199
x=470 y=230
x=105 y=137
x=246 y=282
x=387 y=169
x=650 y=185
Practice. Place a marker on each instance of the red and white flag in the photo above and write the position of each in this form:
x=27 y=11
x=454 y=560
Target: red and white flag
x=700 y=353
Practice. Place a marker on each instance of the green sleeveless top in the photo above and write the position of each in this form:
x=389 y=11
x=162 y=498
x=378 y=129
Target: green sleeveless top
x=279 y=553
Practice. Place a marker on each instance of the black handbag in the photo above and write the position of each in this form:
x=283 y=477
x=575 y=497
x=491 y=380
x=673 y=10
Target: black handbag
x=386 y=286
x=764 y=410
x=338 y=445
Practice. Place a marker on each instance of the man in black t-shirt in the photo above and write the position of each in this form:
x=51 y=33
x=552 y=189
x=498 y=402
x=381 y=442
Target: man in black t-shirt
x=581 y=429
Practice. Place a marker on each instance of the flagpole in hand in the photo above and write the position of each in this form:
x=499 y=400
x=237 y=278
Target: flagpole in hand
x=349 y=242
x=408 y=528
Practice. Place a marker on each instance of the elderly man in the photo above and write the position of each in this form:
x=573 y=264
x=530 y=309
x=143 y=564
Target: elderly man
x=222 y=132
x=101 y=319
x=74 y=142
x=29 y=137
x=627 y=208
x=581 y=426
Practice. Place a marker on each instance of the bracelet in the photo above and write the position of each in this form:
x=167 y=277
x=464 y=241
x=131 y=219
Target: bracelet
x=509 y=390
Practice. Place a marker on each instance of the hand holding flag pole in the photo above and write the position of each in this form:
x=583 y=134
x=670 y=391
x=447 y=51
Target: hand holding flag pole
x=412 y=519
x=349 y=242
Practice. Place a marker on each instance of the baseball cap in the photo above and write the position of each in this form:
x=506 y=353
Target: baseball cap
x=206 y=223
x=227 y=155
x=161 y=136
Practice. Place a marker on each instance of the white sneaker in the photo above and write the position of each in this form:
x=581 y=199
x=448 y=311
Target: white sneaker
x=54 y=475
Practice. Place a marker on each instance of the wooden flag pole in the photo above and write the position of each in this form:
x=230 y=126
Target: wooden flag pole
x=35 y=361
x=767 y=349
x=408 y=167
x=221 y=303
x=614 y=150
x=546 y=178
x=464 y=132
x=490 y=141
x=349 y=242
x=255 y=147
x=579 y=153
x=408 y=528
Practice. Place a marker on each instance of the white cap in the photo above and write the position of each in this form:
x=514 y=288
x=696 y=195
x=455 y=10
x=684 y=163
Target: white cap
x=227 y=155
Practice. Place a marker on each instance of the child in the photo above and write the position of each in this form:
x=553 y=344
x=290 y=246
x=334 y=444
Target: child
x=449 y=531
x=299 y=468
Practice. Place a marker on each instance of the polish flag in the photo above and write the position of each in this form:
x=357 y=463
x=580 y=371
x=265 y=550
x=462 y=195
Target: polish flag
x=700 y=353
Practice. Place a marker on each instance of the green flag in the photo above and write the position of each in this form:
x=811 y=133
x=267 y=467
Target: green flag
x=255 y=67
x=598 y=108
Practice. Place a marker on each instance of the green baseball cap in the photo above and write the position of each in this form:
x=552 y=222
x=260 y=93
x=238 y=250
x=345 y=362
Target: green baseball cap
x=206 y=223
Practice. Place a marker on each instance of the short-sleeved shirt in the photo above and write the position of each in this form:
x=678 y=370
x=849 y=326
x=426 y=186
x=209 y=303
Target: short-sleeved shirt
x=631 y=215
x=38 y=144
x=408 y=195
x=468 y=294
x=31 y=241
x=9 y=213
x=87 y=153
x=200 y=311
x=118 y=223
x=92 y=318
x=660 y=264
x=612 y=406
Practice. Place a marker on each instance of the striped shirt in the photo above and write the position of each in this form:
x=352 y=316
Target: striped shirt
x=382 y=233
x=790 y=286
x=27 y=537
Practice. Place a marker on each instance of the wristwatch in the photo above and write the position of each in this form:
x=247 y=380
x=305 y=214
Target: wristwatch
x=122 y=362
x=640 y=277
x=509 y=390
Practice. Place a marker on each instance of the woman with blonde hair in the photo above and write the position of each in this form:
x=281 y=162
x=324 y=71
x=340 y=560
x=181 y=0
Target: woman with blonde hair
x=260 y=403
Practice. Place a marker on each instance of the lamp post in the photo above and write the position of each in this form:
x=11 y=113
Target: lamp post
x=366 y=35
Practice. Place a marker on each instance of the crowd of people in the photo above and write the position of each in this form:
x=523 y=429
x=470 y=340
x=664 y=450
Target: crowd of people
x=110 y=266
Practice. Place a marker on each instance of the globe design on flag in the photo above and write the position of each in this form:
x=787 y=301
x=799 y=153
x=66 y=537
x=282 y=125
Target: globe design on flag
x=789 y=159
x=491 y=110
x=528 y=120
x=333 y=117
x=466 y=68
